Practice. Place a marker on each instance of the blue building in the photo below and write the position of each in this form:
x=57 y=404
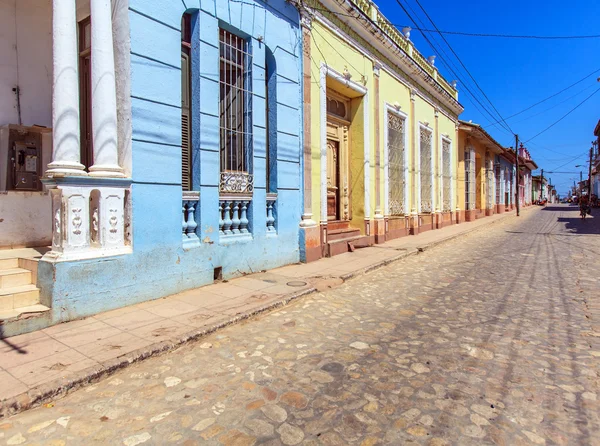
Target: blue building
x=180 y=165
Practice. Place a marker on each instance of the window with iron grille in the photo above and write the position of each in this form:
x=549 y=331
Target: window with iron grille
x=498 y=185
x=235 y=112
x=469 y=179
x=396 y=160
x=426 y=170
x=489 y=172
x=507 y=189
x=446 y=176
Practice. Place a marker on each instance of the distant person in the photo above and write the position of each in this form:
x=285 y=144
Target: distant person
x=583 y=206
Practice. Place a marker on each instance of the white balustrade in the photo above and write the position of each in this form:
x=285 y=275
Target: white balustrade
x=190 y=202
x=233 y=215
x=271 y=201
x=89 y=218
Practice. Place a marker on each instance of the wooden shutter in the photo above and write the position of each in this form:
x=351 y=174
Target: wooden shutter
x=186 y=134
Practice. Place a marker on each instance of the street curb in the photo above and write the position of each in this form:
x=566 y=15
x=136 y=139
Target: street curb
x=62 y=386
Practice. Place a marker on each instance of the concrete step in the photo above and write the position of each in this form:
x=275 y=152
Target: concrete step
x=9 y=263
x=16 y=297
x=8 y=316
x=334 y=225
x=336 y=247
x=14 y=277
x=339 y=234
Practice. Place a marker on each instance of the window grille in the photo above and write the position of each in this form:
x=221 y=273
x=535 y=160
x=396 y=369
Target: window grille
x=498 y=186
x=396 y=160
x=507 y=187
x=446 y=176
x=489 y=171
x=469 y=179
x=235 y=112
x=426 y=170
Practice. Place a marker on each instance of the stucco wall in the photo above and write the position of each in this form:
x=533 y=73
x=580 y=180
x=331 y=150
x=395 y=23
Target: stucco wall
x=159 y=265
x=25 y=219
x=26 y=61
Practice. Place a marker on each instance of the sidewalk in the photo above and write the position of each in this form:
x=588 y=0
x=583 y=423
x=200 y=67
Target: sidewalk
x=46 y=364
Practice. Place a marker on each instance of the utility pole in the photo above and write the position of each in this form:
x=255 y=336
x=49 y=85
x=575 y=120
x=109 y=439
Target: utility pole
x=542 y=186
x=590 y=174
x=517 y=163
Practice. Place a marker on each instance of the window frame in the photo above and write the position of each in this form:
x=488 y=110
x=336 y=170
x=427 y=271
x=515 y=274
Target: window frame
x=389 y=109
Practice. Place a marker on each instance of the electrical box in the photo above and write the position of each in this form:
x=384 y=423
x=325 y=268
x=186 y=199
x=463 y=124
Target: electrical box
x=21 y=150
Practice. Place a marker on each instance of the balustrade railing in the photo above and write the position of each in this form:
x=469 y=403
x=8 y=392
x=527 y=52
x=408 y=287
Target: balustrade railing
x=271 y=201
x=89 y=217
x=189 y=204
x=233 y=214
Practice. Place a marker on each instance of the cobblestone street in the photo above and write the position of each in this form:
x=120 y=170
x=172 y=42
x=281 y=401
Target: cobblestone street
x=491 y=338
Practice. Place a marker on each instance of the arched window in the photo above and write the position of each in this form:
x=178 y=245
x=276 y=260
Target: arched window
x=186 y=99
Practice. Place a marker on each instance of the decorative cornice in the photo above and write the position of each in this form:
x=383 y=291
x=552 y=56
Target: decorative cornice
x=392 y=52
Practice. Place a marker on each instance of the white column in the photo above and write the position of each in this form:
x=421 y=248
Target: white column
x=104 y=97
x=65 y=92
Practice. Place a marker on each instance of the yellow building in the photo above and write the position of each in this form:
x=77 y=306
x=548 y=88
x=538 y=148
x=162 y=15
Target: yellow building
x=380 y=132
x=478 y=174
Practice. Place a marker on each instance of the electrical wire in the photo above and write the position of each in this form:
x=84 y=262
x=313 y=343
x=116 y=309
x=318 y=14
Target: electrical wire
x=469 y=34
x=564 y=116
x=446 y=64
x=506 y=36
x=551 y=96
x=555 y=105
x=463 y=65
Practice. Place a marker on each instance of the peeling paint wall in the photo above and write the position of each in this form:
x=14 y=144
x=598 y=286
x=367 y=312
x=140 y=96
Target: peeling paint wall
x=159 y=265
x=25 y=226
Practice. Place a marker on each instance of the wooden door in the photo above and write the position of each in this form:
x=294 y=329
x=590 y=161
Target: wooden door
x=333 y=179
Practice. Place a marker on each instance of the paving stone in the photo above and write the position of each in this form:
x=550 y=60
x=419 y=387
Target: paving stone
x=481 y=340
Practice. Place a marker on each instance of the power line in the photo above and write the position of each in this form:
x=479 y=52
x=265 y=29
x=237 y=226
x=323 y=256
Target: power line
x=555 y=105
x=551 y=96
x=434 y=48
x=564 y=116
x=506 y=36
x=463 y=65
x=470 y=34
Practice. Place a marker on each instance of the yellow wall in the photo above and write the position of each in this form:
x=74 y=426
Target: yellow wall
x=481 y=186
x=339 y=55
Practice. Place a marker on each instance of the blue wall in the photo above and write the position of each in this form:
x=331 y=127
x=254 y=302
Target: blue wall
x=159 y=265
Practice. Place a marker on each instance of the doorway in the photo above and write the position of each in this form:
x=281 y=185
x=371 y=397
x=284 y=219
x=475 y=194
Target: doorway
x=338 y=125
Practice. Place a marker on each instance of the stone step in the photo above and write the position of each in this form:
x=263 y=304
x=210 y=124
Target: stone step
x=14 y=277
x=334 y=225
x=338 y=234
x=9 y=263
x=16 y=297
x=16 y=313
x=336 y=247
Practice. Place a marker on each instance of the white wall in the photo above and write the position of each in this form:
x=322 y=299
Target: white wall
x=25 y=219
x=26 y=60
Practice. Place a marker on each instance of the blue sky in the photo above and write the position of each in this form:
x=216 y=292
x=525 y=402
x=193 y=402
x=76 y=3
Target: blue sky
x=516 y=73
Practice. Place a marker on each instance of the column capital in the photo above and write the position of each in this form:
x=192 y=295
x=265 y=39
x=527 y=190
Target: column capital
x=306 y=18
x=377 y=68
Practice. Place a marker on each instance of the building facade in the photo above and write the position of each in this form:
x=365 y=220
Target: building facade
x=170 y=155
x=380 y=132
